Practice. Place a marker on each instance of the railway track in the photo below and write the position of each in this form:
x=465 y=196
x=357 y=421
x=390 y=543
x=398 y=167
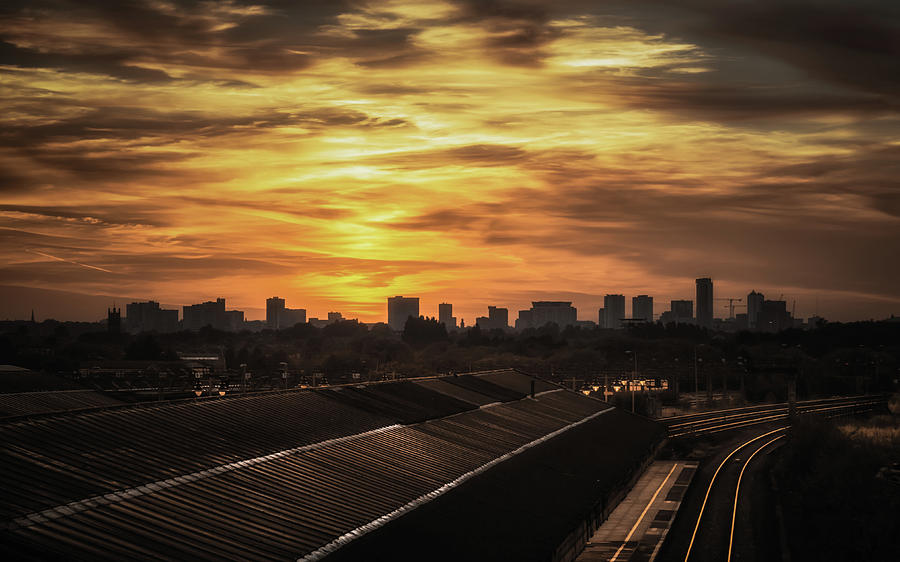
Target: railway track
x=690 y=425
x=708 y=537
x=714 y=526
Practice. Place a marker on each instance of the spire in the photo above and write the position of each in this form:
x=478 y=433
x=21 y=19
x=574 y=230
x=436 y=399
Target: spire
x=32 y=316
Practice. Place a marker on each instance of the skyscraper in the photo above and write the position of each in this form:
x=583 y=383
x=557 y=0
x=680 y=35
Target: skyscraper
x=705 y=302
x=754 y=306
x=399 y=309
x=642 y=308
x=615 y=310
x=274 y=307
x=445 y=315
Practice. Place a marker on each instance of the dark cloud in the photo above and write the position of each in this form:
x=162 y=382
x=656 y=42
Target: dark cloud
x=469 y=155
x=517 y=30
x=275 y=40
x=99 y=215
x=736 y=102
x=785 y=225
x=854 y=46
x=111 y=63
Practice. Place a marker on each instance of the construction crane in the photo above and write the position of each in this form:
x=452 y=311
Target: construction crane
x=730 y=306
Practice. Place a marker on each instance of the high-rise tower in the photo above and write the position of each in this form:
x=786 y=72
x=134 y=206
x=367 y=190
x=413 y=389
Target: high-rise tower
x=705 y=302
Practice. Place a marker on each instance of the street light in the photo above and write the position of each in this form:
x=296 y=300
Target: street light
x=245 y=377
x=633 y=377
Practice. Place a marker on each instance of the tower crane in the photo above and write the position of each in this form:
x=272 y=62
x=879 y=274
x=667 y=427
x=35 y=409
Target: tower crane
x=730 y=306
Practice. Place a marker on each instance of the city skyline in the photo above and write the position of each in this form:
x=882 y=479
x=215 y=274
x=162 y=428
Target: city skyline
x=759 y=312
x=337 y=153
x=586 y=306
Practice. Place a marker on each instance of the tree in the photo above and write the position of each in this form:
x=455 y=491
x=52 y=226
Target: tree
x=420 y=332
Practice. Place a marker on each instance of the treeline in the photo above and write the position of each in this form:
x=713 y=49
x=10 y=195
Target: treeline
x=838 y=358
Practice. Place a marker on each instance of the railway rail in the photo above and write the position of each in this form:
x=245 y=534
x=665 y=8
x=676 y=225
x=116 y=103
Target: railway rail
x=690 y=425
x=714 y=535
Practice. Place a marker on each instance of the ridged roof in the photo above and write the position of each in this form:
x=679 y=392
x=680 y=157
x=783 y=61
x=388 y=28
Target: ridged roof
x=278 y=475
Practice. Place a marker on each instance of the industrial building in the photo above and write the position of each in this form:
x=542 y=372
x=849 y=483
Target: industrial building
x=484 y=466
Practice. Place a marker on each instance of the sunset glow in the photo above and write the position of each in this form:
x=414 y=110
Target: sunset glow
x=474 y=153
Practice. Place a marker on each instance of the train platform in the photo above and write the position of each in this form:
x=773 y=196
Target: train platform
x=636 y=528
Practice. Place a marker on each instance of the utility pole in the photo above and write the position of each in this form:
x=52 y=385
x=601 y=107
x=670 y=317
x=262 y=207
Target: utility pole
x=631 y=383
x=696 y=374
x=724 y=379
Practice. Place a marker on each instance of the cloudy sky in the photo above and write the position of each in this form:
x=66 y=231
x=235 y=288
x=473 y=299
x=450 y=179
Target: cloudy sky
x=478 y=152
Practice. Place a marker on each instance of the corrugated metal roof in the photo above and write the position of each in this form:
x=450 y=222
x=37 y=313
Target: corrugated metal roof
x=55 y=460
x=481 y=386
x=472 y=397
x=29 y=403
x=405 y=402
x=522 y=509
x=515 y=381
x=208 y=480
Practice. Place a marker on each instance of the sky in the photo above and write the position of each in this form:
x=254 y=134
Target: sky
x=479 y=153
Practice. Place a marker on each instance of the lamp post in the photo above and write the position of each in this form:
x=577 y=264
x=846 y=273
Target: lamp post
x=696 y=375
x=677 y=378
x=198 y=380
x=633 y=377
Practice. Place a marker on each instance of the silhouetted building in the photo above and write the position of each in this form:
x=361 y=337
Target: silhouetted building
x=497 y=318
x=149 y=317
x=335 y=317
x=754 y=305
x=401 y=308
x=274 y=306
x=774 y=317
x=279 y=317
x=445 y=316
x=642 y=308
x=525 y=320
x=683 y=310
x=113 y=320
x=290 y=317
x=601 y=318
x=615 y=311
x=561 y=313
x=705 y=302
x=213 y=314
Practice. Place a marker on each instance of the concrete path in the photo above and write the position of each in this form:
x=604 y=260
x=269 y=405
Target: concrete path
x=636 y=528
